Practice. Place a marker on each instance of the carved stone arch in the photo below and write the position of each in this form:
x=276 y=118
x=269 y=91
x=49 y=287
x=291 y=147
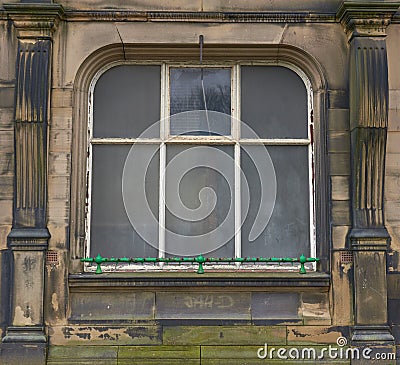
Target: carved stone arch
x=116 y=53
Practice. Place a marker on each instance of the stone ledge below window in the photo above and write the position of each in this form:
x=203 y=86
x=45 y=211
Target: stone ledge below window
x=184 y=279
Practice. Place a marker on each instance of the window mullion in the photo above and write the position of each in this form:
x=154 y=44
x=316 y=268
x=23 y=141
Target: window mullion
x=164 y=131
x=236 y=136
x=237 y=202
x=162 y=202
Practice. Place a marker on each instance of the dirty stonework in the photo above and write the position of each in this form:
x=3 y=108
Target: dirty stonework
x=199 y=182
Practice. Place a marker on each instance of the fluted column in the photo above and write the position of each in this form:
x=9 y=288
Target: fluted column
x=28 y=239
x=365 y=23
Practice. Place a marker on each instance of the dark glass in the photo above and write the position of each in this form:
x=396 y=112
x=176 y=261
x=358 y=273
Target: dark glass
x=288 y=231
x=184 y=195
x=111 y=231
x=194 y=89
x=273 y=102
x=127 y=101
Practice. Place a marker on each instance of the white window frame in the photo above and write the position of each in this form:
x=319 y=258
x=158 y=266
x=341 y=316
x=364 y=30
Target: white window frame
x=233 y=139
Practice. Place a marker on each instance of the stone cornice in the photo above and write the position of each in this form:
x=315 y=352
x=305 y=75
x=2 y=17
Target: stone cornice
x=34 y=20
x=366 y=19
x=185 y=16
x=118 y=15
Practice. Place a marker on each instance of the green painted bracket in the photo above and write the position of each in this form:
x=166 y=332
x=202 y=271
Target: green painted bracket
x=200 y=260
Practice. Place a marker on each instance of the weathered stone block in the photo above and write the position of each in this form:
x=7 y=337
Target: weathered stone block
x=340 y=187
x=315 y=308
x=161 y=353
x=6 y=187
x=338 y=100
x=392 y=187
x=157 y=362
x=394 y=286
x=341 y=212
x=339 y=234
x=6 y=119
x=370 y=287
x=59 y=164
x=60 y=141
x=7 y=141
x=28 y=288
x=4 y=231
x=82 y=355
x=392 y=209
x=6 y=163
x=205 y=305
x=338 y=141
x=61 y=98
x=339 y=164
x=112 y=306
x=230 y=352
x=6 y=97
x=58 y=187
x=394 y=98
x=394 y=120
x=285 y=306
x=6 y=211
x=224 y=335
x=58 y=211
x=59 y=235
x=392 y=164
x=61 y=119
x=393 y=142
x=342 y=313
x=17 y=354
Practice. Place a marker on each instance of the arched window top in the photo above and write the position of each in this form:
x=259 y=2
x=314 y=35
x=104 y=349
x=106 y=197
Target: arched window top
x=254 y=116
x=301 y=66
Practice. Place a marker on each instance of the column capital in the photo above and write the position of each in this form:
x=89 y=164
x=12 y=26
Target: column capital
x=369 y=239
x=366 y=18
x=31 y=20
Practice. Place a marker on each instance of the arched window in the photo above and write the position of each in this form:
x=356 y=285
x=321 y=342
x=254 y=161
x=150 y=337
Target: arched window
x=188 y=159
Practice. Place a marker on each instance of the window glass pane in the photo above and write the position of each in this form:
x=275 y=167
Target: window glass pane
x=127 y=101
x=288 y=231
x=273 y=102
x=200 y=201
x=199 y=89
x=111 y=231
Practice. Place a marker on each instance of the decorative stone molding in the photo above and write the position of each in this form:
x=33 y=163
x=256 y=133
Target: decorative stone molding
x=366 y=18
x=28 y=239
x=31 y=115
x=198 y=16
x=368 y=125
x=34 y=20
x=365 y=23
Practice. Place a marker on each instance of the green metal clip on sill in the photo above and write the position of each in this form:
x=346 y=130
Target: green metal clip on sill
x=200 y=260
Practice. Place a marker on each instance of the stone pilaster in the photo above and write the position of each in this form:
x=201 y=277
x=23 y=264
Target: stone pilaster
x=28 y=239
x=365 y=23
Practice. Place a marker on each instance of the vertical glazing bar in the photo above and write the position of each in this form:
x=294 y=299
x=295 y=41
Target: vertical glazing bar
x=164 y=133
x=235 y=110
